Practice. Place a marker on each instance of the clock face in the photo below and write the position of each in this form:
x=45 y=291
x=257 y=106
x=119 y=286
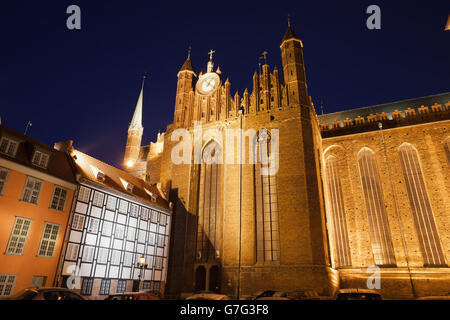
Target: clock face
x=208 y=83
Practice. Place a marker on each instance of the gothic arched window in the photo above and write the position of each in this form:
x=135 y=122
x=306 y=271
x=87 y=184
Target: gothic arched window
x=266 y=203
x=421 y=208
x=447 y=148
x=380 y=235
x=337 y=213
x=209 y=202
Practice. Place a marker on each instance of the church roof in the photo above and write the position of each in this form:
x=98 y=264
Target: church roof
x=289 y=34
x=187 y=65
x=136 y=122
x=388 y=108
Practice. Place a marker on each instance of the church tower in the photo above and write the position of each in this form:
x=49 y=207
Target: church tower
x=135 y=131
x=185 y=94
x=294 y=68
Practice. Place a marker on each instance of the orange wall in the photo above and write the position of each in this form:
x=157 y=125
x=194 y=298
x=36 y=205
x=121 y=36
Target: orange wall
x=29 y=265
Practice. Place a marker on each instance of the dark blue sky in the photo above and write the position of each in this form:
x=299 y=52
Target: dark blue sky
x=84 y=84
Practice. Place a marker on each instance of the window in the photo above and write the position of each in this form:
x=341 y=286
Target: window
x=8 y=146
x=160 y=241
x=111 y=203
x=48 y=241
x=98 y=199
x=104 y=287
x=119 y=231
x=86 y=286
x=380 y=236
x=32 y=190
x=93 y=225
x=130 y=187
x=59 y=199
x=266 y=208
x=40 y=159
x=155 y=216
x=151 y=238
x=72 y=251
x=163 y=220
x=83 y=194
x=121 y=286
x=128 y=259
x=3 y=177
x=78 y=222
x=146 y=285
x=158 y=263
x=446 y=147
x=430 y=245
x=107 y=228
x=144 y=213
x=7 y=282
x=88 y=254
x=337 y=212
x=141 y=236
x=102 y=255
x=123 y=206
x=38 y=281
x=19 y=236
x=115 y=257
x=134 y=210
x=156 y=285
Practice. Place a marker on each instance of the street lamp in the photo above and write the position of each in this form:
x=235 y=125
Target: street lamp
x=141 y=265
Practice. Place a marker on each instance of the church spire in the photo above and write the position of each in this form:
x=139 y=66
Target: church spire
x=136 y=122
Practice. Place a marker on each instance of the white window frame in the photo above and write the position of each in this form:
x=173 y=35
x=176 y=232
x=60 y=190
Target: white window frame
x=134 y=210
x=33 y=191
x=7 y=282
x=48 y=240
x=144 y=213
x=102 y=256
x=84 y=194
x=3 y=180
x=40 y=159
x=107 y=228
x=21 y=238
x=8 y=151
x=119 y=231
x=72 y=251
x=93 y=225
x=59 y=198
x=123 y=206
x=111 y=203
x=78 y=222
x=98 y=198
x=88 y=254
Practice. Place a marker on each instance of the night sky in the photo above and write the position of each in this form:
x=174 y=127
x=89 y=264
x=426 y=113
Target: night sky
x=83 y=84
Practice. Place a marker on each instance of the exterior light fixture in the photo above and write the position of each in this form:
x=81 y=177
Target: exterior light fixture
x=141 y=265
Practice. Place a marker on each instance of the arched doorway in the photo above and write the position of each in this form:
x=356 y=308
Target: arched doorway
x=200 y=278
x=214 y=279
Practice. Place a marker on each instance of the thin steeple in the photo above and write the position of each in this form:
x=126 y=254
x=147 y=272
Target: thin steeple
x=136 y=122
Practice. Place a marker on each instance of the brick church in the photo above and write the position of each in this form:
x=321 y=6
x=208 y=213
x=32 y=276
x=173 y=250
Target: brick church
x=352 y=190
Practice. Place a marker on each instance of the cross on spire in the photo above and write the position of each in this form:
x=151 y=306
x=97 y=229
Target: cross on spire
x=264 y=54
x=289 y=20
x=211 y=54
x=189 y=53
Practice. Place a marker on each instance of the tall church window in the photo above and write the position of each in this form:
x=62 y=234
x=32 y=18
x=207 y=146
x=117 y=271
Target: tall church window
x=337 y=213
x=447 y=148
x=380 y=236
x=209 y=204
x=266 y=203
x=421 y=208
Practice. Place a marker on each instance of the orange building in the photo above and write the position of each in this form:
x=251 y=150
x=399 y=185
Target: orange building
x=37 y=185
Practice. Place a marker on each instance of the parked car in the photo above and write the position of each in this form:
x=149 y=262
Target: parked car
x=52 y=293
x=358 y=294
x=271 y=295
x=134 y=296
x=208 y=296
x=303 y=295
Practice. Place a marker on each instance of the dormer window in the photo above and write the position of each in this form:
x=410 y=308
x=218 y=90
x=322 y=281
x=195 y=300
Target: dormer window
x=101 y=176
x=40 y=159
x=8 y=146
x=130 y=187
x=153 y=196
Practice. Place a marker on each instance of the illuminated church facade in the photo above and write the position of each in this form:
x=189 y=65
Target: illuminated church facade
x=352 y=190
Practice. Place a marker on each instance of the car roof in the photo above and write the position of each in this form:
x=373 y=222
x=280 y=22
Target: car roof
x=357 y=290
